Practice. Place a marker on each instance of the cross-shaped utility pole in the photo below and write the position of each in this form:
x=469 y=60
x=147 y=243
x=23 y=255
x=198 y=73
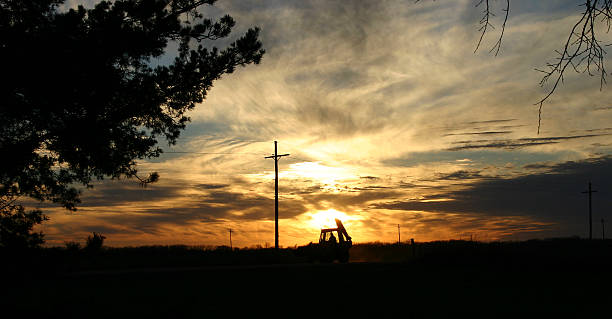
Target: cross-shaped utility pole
x=590 y=191
x=231 y=246
x=276 y=157
x=399 y=235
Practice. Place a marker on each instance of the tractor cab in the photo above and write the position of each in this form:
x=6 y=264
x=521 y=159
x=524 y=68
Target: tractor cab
x=327 y=236
x=335 y=235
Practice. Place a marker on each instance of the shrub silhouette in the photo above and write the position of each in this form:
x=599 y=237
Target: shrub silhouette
x=72 y=246
x=95 y=242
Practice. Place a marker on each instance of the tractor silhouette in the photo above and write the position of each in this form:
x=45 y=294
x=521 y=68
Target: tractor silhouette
x=330 y=247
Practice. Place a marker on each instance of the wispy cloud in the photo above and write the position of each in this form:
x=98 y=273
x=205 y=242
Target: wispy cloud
x=460 y=175
x=492 y=121
x=517 y=143
x=480 y=133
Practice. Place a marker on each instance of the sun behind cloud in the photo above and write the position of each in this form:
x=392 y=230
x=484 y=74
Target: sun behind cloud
x=326 y=218
x=329 y=178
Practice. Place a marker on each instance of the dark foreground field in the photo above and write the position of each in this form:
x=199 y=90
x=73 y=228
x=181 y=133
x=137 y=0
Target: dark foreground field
x=563 y=278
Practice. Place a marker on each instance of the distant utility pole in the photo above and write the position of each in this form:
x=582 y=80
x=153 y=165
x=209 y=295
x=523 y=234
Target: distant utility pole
x=603 y=230
x=231 y=247
x=399 y=236
x=590 y=191
x=276 y=157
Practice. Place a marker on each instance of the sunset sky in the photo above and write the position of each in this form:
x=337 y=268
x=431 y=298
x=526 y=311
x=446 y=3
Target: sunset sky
x=390 y=118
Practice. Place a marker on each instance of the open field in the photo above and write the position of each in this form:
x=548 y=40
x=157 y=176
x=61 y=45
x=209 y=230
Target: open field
x=544 y=278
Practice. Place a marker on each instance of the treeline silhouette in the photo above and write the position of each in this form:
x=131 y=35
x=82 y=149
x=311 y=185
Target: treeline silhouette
x=557 y=251
x=71 y=259
x=552 y=277
x=547 y=252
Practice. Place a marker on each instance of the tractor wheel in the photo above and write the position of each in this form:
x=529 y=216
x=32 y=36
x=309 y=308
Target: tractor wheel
x=343 y=257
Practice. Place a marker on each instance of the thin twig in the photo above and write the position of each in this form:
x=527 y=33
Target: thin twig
x=484 y=22
x=498 y=44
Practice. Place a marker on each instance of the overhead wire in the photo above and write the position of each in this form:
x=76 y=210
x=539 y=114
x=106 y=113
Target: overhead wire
x=228 y=153
x=213 y=153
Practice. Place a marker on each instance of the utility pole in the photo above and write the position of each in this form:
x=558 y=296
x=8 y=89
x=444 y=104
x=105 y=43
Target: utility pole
x=603 y=230
x=276 y=157
x=231 y=246
x=590 y=191
x=399 y=236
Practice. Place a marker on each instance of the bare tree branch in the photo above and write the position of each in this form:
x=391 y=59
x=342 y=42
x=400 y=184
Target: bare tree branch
x=583 y=50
